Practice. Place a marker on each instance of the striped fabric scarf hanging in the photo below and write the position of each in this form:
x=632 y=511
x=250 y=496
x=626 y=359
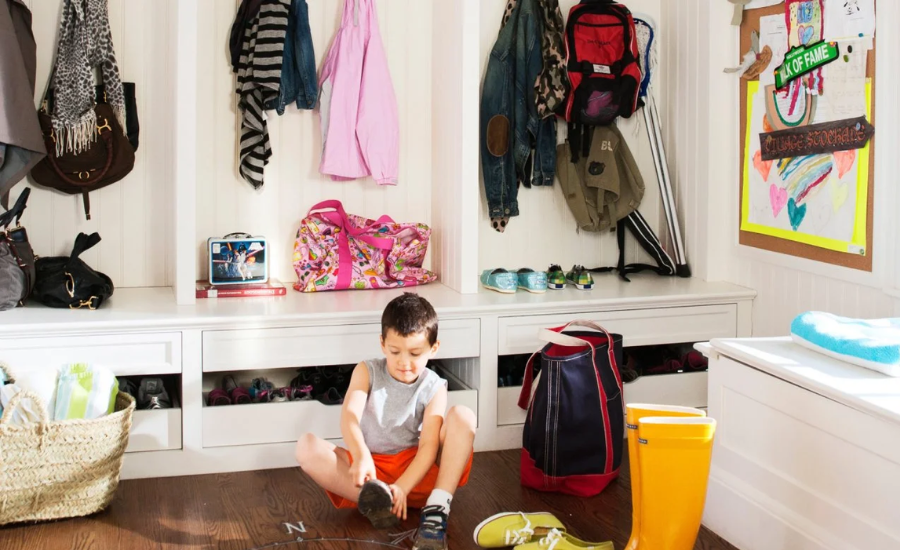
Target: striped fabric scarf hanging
x=258 y=83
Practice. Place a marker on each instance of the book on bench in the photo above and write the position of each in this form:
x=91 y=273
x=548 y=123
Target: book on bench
x=271 y=288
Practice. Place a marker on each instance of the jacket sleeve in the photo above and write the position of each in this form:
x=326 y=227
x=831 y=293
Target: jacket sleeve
x=377 y=126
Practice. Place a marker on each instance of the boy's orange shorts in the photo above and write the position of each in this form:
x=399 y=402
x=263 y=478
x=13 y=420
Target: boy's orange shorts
x=390 y=467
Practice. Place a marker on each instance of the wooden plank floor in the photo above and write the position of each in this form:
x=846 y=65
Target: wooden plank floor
x=251 y=510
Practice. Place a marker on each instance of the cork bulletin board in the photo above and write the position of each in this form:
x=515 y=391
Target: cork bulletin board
x=860 y=261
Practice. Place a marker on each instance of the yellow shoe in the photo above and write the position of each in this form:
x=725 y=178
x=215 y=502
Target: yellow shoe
x=634 y=412
x=557 y=540
x=674 y=461
x=510 y=528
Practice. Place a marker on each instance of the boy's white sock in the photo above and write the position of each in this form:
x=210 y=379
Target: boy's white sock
x=439 y=497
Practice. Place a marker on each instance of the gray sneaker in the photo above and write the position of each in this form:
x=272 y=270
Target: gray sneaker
x=153 y=395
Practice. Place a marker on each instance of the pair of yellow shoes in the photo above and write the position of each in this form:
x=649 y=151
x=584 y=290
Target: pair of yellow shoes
x=669 y=451
x=530 y=531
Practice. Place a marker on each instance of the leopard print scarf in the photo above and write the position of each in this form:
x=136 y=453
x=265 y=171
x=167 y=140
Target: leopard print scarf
x=85 y=41
x=552 y=84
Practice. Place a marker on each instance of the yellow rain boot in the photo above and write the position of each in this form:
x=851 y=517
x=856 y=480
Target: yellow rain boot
x=634 y=412
x=674 y=460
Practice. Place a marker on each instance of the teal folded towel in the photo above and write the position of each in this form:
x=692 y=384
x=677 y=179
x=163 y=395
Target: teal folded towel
x=870 y=343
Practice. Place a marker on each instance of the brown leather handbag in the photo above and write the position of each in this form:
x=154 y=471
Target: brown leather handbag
x=108 y=159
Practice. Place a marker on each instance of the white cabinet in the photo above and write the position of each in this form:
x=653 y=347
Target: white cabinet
x=807 y=449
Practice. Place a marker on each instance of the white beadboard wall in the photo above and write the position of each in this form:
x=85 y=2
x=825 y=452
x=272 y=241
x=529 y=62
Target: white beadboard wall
x=702 y=106
x=226 y=203
x=545 y=230
x=132 y=216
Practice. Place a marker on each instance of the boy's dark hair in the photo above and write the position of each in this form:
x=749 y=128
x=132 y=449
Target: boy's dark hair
x=410 y=314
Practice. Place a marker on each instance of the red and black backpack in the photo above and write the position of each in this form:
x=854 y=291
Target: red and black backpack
x=602 y=63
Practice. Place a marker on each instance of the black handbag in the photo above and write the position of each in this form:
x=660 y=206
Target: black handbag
x=67 y=281
x=17 y=249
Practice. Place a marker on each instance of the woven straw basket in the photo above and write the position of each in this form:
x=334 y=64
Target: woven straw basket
x=60 y=469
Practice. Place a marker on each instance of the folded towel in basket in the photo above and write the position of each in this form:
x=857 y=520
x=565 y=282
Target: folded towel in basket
x=85 y=391
x=869 y=343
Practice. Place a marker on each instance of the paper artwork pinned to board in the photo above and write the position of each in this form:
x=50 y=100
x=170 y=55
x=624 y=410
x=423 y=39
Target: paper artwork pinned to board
x=779 y=198
x=804 y=22
x=772 y=34
x=839 y=195
x=762 y=166
x=844 y=161
x=845 y=19
x=789 y=107
x=816 y=199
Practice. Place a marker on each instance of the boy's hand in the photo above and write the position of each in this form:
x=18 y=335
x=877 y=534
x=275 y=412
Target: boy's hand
x=362 y=470
x=399 y=508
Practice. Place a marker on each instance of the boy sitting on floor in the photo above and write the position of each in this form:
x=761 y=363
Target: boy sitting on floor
x=402 y=451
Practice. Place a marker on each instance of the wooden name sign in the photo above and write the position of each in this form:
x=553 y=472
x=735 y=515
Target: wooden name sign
x=828 y=137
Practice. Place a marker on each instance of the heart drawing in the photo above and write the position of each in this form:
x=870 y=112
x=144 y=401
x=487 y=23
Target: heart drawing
x=805 y=33
x=796 y=213
x=779 y=199
x=844 y=161
x=839 y=195
x=763 y=167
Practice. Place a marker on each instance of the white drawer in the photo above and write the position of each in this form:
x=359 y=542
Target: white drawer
x=123 y=354
x=638 y=327
x=260 y=349
x=156 y=430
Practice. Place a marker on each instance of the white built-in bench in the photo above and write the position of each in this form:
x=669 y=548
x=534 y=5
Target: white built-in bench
x=144 y=332
x=807 y=451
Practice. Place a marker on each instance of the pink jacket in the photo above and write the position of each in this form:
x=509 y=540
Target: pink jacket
x=358 y=109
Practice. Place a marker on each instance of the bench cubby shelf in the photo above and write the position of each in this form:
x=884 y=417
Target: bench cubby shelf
x=144 y=331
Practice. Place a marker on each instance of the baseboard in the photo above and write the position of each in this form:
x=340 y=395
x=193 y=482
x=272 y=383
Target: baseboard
x=750 y=520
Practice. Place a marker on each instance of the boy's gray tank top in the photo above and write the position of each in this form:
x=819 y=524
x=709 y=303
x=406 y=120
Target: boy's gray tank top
x=392 y=419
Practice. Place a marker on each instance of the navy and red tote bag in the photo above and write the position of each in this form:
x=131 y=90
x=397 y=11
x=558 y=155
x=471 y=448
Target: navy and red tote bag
x=575 y=428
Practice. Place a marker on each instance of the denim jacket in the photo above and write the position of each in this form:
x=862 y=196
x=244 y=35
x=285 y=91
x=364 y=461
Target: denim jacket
x=298 y=65
x=517 y=145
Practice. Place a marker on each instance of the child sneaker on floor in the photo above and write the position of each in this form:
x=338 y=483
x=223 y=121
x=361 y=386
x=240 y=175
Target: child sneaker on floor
x=510 y=528
x=558 y=540
x=432 y=534
x=580 y=277
x=556 y=278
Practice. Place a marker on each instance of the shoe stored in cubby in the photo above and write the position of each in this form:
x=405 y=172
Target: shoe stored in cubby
x=156 y=421
x=312 y=402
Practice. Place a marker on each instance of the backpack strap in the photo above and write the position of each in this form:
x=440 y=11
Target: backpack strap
x=16 y=211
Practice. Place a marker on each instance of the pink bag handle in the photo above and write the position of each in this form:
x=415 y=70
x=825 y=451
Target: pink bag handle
x=339 y=218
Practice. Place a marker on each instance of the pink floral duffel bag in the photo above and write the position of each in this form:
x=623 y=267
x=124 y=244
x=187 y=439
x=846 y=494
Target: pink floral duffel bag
x=336 y=251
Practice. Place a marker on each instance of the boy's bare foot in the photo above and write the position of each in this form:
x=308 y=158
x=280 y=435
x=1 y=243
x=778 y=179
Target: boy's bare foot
x=375 y=503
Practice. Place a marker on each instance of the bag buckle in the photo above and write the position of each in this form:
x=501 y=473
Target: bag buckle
x=89 y=303
x=105 y=126
x=70 y=285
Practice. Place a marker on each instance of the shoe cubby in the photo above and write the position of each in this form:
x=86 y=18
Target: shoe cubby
x=462 y=376
x=155 y=429
x=669 y=374
x=264 y=420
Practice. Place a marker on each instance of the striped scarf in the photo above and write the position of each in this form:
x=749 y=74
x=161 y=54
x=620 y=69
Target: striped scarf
x=258 y=83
